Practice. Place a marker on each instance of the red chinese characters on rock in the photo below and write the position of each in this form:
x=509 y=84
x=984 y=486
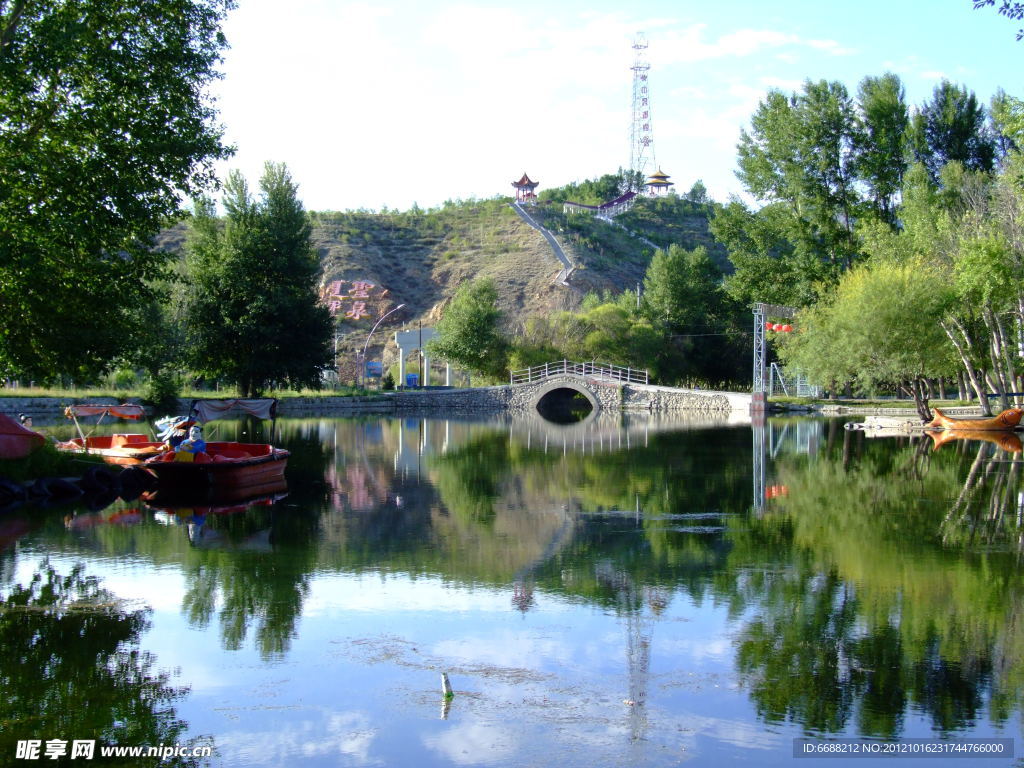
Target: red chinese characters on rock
x=358 y=311
x=353 y=299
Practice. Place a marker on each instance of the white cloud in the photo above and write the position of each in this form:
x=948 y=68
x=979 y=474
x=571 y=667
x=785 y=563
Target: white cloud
x=474 y=743
x=347 y=734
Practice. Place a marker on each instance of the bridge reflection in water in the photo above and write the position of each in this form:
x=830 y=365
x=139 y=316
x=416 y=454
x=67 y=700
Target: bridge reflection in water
x=604 y=432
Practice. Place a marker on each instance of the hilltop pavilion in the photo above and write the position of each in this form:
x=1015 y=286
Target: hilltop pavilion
x=658 y=184
x=525 y=190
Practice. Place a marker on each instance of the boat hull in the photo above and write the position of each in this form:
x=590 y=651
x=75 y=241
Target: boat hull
x=1005 y=421
x=230 y=468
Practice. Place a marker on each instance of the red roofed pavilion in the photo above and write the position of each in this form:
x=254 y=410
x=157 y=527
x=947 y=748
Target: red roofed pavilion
x=524 y=189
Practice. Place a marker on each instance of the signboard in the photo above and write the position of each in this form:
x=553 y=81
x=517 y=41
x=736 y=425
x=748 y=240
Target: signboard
x=355 y=300
x=374 y=369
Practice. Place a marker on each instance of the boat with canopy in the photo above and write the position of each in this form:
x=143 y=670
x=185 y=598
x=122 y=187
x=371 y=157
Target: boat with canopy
x=123 y=448
x=221 y=467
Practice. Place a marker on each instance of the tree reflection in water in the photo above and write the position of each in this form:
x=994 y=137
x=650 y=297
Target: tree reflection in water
x=72 y=669
x=901 y=589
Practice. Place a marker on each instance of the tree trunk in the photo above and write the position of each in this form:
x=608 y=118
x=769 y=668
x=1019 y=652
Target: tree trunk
x=961 y=387
x=964 y=347
x=920 y=388
x=1010 y=376
x=995 y=357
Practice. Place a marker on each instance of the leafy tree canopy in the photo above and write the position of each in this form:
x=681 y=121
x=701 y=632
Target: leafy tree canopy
x=951 y=127
x=469 y=331
x=104 y=123
x=1007 y=8
x=252 y=312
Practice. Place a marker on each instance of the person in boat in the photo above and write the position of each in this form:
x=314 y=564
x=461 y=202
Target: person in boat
x=193 y=444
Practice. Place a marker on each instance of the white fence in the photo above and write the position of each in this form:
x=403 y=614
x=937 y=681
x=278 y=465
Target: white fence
x=592 y=369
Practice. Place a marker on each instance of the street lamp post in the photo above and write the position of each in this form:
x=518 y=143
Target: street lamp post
x=362 y=356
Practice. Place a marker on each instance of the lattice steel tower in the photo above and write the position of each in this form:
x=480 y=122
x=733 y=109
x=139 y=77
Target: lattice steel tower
x=641 y=140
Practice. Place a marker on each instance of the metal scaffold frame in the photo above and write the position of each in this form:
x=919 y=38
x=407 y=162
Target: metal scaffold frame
x=641 y=139
x=761 y=314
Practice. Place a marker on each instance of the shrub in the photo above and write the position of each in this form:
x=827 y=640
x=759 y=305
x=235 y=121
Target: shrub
x=162 y=391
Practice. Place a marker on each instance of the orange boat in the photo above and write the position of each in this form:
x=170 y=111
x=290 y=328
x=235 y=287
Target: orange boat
x=1006 y=441
x=122 y=448
x=1005 y=421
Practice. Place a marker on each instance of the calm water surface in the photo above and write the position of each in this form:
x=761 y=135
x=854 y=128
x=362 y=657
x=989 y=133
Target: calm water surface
x=644 y=593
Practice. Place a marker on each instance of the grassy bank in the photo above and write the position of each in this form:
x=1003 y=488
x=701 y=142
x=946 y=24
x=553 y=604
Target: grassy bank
x=78 y=393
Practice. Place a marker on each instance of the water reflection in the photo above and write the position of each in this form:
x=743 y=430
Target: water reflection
x=832 y=583
x=73 y=670
x=882 y=600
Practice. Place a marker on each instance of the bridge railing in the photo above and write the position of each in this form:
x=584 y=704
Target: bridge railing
x=595 y=370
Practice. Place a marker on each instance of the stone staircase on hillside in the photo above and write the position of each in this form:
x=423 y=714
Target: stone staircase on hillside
x=562 y=278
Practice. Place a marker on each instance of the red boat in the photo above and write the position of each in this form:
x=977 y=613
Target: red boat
x=16 y=441
x=223 y=468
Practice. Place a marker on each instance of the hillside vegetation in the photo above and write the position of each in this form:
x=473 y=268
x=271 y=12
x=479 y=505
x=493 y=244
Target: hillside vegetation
x=422 y=257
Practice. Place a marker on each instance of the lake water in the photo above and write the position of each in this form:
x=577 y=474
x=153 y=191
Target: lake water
x=647 y=592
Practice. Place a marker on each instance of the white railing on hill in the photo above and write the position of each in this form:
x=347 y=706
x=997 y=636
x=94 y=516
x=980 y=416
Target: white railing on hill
x=594 y=370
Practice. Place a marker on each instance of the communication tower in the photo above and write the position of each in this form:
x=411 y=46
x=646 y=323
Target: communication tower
x=641 y=140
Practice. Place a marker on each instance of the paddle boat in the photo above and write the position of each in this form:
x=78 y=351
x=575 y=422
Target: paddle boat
x=1006 y=441
x=16 y=440
x=220 y=467
x=1006 y=421
x=124 y=448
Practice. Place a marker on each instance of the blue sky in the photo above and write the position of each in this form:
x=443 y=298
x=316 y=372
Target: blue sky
x=397 y=102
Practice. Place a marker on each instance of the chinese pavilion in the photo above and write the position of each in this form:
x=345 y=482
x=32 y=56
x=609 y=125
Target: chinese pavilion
x=524 y=190
x=658 y=184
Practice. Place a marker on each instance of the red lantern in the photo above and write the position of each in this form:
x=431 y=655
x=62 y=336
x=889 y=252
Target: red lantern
x=768 y=326
x=777 y=327
x=787 y=328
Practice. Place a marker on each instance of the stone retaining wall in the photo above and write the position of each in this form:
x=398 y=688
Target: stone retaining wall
x=489 y=399
x=607 y=396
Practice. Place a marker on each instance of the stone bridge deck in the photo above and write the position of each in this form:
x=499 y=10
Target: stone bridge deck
x=604 y=395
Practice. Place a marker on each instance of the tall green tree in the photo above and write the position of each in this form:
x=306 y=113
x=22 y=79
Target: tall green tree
x=1007 y=114
x=800 y=152
x=685 y=301
x=469 y=331
x=104 y=124
x=882 y=326
x=951 y=126
x=881 y=141
x=252 y=314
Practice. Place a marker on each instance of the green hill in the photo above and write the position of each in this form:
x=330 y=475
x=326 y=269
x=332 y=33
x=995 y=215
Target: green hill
x=420 y=258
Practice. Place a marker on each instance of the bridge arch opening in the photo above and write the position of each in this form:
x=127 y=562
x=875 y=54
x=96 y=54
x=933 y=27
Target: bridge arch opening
x=565 y=405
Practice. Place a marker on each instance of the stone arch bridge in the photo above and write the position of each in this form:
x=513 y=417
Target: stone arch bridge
x=606 y=388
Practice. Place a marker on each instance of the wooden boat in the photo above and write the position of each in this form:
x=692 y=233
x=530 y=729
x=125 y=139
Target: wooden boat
x=121 y=448
x=224 y=468
x=1006 y=421
x=1006 y=441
